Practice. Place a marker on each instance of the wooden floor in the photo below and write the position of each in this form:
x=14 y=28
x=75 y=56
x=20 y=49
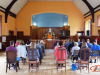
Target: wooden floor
x=48 y=67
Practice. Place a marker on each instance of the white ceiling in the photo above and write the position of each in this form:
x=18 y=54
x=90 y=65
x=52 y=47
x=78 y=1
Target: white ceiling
x=21 y=3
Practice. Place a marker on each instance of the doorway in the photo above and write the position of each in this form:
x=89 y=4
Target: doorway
x=88 y=28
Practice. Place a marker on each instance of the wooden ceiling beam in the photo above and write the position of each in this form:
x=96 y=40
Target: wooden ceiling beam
x=8 y=9
x=90 y=8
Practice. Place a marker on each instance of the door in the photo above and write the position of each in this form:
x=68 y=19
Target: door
x=20 y=35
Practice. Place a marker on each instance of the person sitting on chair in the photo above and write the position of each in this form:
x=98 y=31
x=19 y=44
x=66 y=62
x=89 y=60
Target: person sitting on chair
x=75 y=48
x=89 y=44
x=95 y=47
x=32 y=47
x=40 y=51
x=84 y=45
x=49 y=36
x=12 y=48
x=60 y=47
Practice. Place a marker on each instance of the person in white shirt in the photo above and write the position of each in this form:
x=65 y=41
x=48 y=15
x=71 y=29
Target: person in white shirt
x=76 y=47
x=21 y=50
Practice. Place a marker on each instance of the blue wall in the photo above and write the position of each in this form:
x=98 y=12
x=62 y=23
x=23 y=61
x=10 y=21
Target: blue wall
x=49 y=20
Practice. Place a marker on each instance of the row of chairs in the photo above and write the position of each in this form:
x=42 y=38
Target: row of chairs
x=76 y=52
x=95 y=52
x=11 y=59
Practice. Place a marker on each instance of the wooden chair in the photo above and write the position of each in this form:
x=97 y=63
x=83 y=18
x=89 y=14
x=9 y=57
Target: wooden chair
x=33 y=60
x=96 y=52
x=61 y=60
x=11 y=59
x=85 y=60
x=75 y=54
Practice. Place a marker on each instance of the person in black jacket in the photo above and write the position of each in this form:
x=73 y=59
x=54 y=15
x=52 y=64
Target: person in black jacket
x=70 y=46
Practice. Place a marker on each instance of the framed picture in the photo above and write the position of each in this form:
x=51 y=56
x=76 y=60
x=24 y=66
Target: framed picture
x=98 y=20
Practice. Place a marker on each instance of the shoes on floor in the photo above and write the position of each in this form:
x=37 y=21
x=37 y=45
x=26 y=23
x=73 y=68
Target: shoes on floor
x=90 y=61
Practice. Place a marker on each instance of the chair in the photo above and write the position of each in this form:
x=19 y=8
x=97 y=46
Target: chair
x=61 y=60
x=33 y=60
x=85 y=60
x=75 y=54
x=11 y=59
x=96 y=52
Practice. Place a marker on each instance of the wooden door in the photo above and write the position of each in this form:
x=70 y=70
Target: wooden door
x=11 y=33
x=20 y=35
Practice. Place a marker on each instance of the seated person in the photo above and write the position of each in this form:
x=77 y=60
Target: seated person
x=40 y=50
x=84 y=45
x=28 y=43
x=95 y=47
x=32 y=47
x=49 y=36
x=21 y=50
x=42 y=44
x=55 y=43
x=12 y=48
x=17 y=43
x=81 y=43
x=70 y=46
x=60 y=47
x=67 y=41
x=55 y=49
x=89 y=44
x=75 y=48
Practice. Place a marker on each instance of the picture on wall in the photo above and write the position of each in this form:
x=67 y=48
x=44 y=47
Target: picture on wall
x=98 y=20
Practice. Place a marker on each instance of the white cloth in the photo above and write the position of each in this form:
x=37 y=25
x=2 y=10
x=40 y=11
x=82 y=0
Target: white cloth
x=75 y=48
x=21 y=51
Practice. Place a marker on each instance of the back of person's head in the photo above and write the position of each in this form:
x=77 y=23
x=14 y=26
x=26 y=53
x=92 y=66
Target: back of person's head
x=95 y=41
x=57 y=44
x=78 y=40
x=33 y=45
x=37 y=42
x=72 y=41
x=75 y=43
x=17 y=41
x=23 y=42
x=84 y=45
x=83 y=40
x=88 y=40
x=20 y=42
x=60 y=43
x=28 y=42
x=12 y=42
x=41 y=41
